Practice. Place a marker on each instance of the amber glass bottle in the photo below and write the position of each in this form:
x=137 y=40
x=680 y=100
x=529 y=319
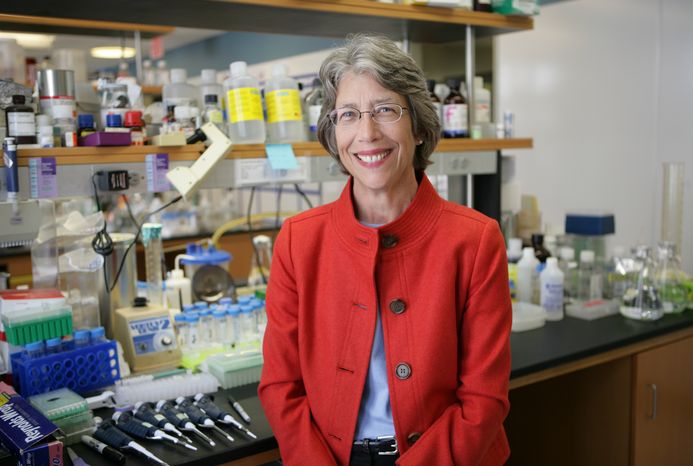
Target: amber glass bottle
x=21 y=121
x=455 y=112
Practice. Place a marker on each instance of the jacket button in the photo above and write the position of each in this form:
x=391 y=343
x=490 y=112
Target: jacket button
x=397 y=306
x=403 y=371
x=413 y=437
x=389 y=241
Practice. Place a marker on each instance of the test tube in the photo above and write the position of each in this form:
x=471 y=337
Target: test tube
x=153 y=256
x=54 y=345
x=35 y=350
x=247 y=324
x=233 y=324
x=98 y=335
x=220 y=326
x=182 y=330
x=206 y=327
x=81 y=338
x=256 y=303
x=193 y=319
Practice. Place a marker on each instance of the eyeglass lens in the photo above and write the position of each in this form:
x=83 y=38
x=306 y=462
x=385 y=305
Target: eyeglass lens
x=385 y=113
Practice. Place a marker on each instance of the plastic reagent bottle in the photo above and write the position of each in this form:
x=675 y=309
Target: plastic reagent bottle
x=589 y=279
x=552 y=290
x=284 y=117
x=313 y=109
x=179 y=92
x=178 y=287
x=210 y=86
x=455 y=116
x=526 y=273
x=220 y=326
x=244 y=106
x=54 y=345
x=149 y=72
x=482 y=101
x=63 y=119
x=162 y=76
x=569 y=268
x=247 y=319
x=35 y=350
x=183 y=116
x=85 y=125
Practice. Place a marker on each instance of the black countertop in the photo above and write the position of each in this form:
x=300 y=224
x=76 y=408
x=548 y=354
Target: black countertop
x=573 y=339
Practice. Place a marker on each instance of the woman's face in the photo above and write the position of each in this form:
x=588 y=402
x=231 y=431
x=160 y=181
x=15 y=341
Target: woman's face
x=378 y=155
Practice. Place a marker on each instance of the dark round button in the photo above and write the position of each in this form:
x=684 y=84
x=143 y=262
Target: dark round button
x=397 y=306
x=389 y=241
x=413 y=437
x=403 y=371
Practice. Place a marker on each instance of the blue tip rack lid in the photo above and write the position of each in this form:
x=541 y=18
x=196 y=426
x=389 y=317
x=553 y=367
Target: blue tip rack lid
x=204 y=256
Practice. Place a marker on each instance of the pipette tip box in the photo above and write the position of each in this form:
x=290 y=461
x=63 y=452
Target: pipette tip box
x=37 y=324
x=236 y=367
x=590 y=223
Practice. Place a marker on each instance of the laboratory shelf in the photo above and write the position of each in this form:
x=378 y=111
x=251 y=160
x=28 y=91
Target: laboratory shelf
x=319 y=18
x=55 y=25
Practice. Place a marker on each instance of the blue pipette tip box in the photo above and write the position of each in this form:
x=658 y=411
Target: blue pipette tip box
x=590 y=223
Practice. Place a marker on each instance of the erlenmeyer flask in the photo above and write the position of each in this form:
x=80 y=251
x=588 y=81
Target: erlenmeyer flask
x=641 y=300
x=262 y=258
x=669 y=279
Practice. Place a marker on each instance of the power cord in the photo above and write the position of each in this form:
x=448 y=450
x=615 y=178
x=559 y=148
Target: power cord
x=310 y=205
x=276 y=219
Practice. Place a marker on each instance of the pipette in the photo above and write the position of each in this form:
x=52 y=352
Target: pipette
x=145 y=412
x=206 y=404
x=198 y=416
x=180 y=420
x=127 y=422
x=109 y=434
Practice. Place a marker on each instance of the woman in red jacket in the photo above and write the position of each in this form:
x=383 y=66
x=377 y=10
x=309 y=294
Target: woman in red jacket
x=388 y=310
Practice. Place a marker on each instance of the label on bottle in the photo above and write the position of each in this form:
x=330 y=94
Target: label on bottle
x=244 y=104
x=21 y=124
x=283 y=105
x=215 y=116
x=137 y=137
x=455 y=120
x=482 y=113
x=552 y=297
x=313 y=117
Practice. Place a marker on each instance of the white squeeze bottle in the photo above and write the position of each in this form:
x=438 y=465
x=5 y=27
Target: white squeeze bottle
x=526 y=271
x=284 y=115
x=551 y=279
x=244 y=106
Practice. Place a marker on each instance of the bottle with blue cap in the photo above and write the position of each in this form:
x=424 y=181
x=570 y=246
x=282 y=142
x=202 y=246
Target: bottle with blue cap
x=182 y=330
x=98 y=335
x=54 y=345
x=193 y=320
x=233 y=324
x=226 y=301
x=247 y=324
x=35 y=350
x=207 y=327
x=244 y=300
x=219 y=316
x=256 y=303
x=201 y=305
x=81 y=338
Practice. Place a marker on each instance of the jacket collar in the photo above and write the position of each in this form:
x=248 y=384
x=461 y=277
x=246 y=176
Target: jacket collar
x=414 y=224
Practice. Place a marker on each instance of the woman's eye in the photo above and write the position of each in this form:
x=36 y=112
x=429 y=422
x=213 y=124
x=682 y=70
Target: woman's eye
x=384 y=110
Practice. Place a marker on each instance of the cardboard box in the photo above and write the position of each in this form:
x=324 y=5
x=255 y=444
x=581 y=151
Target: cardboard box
x=26 y=433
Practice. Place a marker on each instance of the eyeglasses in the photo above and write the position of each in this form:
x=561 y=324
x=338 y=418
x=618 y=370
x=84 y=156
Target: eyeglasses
x=384 y=113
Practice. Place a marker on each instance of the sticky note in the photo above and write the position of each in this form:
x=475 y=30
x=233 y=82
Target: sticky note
x=281 y=156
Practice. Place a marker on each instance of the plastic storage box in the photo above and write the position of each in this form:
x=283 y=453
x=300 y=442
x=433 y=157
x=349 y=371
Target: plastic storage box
x=37 y=324
x=67 y=410
x=593 y=310
x=236 y=367
x=527 y=316
x=80 y=369
x=590 y=223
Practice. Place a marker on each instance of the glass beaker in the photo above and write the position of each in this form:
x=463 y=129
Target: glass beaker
x=669 y=279
x=80 y=270
x=641 y=300
x=153 y=257
x=262 y=259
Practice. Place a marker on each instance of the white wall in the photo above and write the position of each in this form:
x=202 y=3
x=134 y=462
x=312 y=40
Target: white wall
x=605 y=88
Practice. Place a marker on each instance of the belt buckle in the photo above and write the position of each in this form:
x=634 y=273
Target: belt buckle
x=388 y=437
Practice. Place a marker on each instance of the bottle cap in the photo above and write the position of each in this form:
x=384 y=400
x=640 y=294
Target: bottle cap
x=44 y=120
x=226 y=301
x=133 y=118
x=211 y=98
x=113 y=120
x=234 y=310
x=201 y=305
x=18 y=99
x=63 y=111
x=478 y=82
x=81 y=334
x=454 y=83
x=567 y=254
x=245 y=299
x=431 y=84
x=161 y=64
x=551 y=262
x=37 y=345
x=177 y=274
x=181 y=111
x=179 y=75
x=586 y=256
x=209 y=76
x=205 y=312
x=53 y=342
x=239 y=68
x=97 y=332
x=188 y=308
x=537 y=238
x=179 y=317
x=85 y=121
x=515 y=245
x=528 y=252
x=278 y=69
x=246 y=309
x=219 y=313
x=192 y=317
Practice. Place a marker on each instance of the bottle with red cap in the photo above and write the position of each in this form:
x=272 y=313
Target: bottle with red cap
x=133 y=121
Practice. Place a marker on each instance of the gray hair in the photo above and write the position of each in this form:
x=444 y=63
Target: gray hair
x=380 y=58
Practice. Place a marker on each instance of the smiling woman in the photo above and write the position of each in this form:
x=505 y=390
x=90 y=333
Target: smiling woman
x=344 y=382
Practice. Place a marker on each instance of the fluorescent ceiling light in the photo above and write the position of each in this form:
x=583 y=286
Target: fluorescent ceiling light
x=112 y=52
x=30 y=41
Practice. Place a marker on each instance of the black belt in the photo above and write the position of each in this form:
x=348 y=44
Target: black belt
x=386 y=445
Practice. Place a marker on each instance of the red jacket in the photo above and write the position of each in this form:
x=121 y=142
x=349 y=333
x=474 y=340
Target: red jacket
x=445 y=265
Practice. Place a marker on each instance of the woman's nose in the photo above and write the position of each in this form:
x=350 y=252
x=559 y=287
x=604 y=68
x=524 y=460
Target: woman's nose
x=368 y=129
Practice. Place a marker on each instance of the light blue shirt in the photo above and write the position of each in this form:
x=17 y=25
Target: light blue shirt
x=375 y=412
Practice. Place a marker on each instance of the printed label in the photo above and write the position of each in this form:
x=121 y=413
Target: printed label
x=137 y=138
x=552 y=297
x=482 y=113
x=244 y=104
x=455 y=120
x=43 y=179
x=157 y=167
x=215 y=116
x=21 y=124
x=313 y=117
x=153 y=335
x=283 y=105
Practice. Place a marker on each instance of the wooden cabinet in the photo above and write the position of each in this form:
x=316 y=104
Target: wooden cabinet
x=662 y=431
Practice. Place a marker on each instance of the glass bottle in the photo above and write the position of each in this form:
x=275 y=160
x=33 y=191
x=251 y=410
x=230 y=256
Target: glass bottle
x=212 y=112
x=21 y=121
x=569 y=267
x=540 y=252
x=162 y=76
x=669 y=279
x=170 y=119
x=244 y=106
x=259 y=271
x=431 y=85
x=133 y=121
x=313 y=107
x=149 y=73
x=615 y=279
x=455 y=112
x=641 y=300
x=589 y=279
x=284 y=118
